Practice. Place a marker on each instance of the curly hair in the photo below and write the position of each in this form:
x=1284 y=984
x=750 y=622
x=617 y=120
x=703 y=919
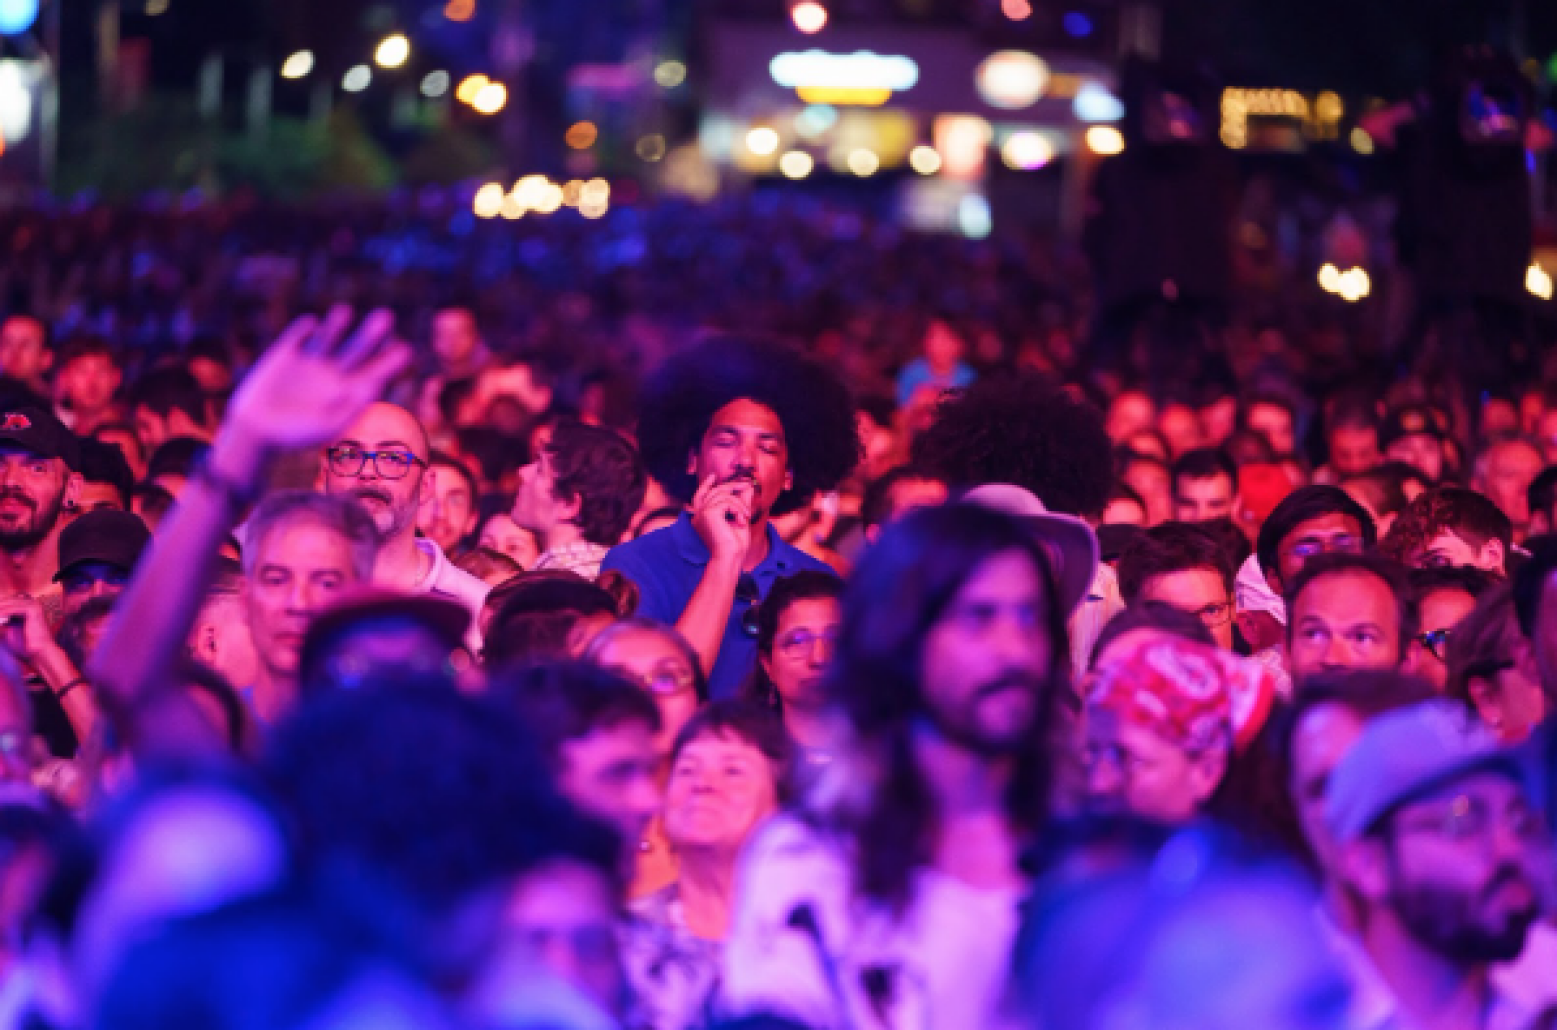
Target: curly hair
x=1027 y=431
x=602 y=470
x=811 y=402
x=1465 y=513
x=1171 y=547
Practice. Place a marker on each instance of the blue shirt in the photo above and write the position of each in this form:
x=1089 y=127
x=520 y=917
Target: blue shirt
x=917 y=373
x=668 y=564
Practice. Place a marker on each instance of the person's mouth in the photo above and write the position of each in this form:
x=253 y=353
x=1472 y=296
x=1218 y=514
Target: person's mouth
x=369 y=494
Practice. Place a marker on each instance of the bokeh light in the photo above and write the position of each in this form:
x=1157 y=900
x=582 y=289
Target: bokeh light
x=762 y=141
x=809 y=17
x=670 y=74
x=581 y=135
x=297 y=65
x=1026 y=151
x=925 y=160
x=393 y=52
x=1105 y=140
x=491 y=98
x=864 y=163
x=435 y=84
x=796 y=164
x=357 y=79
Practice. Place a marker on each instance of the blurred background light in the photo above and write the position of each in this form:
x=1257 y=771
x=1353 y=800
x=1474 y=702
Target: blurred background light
x=393 y=52
x=435 y=84
x=809 y=17
x=796 y=164
x=357 y=78
x=1011 y=79
x=762 y=141
x=1105 y=140
x=297 y=65
x=1026 y=151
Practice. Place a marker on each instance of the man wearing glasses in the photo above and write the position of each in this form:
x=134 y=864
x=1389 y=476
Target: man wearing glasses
x=1443 y=598
x=1438 y=843
x=382 y=463
x=1312 y=521
x=1183 y=567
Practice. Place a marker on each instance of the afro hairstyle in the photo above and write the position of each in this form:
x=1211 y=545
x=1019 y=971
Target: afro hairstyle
x=813 y=405
x=1025 y=430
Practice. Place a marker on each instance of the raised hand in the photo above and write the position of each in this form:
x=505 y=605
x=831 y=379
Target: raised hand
x=314 y=381
x=721 y=514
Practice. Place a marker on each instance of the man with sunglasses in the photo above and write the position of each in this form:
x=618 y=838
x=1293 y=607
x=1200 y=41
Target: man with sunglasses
x=1442 y=597
x=382 y=463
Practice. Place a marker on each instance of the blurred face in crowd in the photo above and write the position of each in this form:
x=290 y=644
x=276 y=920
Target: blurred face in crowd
x=86 y=580
x=1346 y=620
x=942 y=348
x=1546 y=434
x=985 y=664
x=802 y=649
x=1181 y=426
x=1196 y=500
x=213 y=376
x=1320 y=738
x=906 y=496
x=454 y=336
x=1130 y=413
x=392 y=486
x=447 y=513
x=221 y=639
x=1505 y=476
x=1218 y=420
x=1339 y=534
x=1422 y=451
x=1449 y=550
x=720 y=788
x=564 y=915
x=1124 y=511
x=1199 y=592
x=502 y=534
x=536 y=504
x=129 y=445
x=1441 y=611
x=655 y=662
x=95 y=496
x=881 y=446
x=1133 y=770
x=88 y=382
x=612 y=772
x=1151 y=480
x=1543 y=648
x=1354 y=450
x=745 y=442
x=33 y=491
x=1274 y=422
x=24 y=353
x=299 y=567
x=1457 y=868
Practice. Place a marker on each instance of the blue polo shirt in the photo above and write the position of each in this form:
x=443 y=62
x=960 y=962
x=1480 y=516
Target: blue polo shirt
x=667 y=566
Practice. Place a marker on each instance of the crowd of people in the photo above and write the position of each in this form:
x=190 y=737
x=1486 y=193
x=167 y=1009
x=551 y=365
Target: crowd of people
x=877 y=665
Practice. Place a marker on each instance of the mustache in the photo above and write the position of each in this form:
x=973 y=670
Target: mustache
x=1507 y=876
x=1011 y=681
x=11 y=493
x=362 y=492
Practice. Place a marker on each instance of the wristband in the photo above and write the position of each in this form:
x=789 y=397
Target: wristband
x=67 y=688
x=238 y=495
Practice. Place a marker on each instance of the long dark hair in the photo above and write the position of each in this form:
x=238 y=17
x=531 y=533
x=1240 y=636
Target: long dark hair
x=898 y=593
x=809 y=585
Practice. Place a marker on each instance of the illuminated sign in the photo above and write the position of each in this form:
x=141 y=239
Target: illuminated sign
x=862 y=78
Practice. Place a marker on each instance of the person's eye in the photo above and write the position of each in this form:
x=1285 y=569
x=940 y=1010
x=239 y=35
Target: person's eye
x=1366 y=637
x=347 y=453
x=397 y=460
x=273 y=579
x=331 y=582
x=37 y=468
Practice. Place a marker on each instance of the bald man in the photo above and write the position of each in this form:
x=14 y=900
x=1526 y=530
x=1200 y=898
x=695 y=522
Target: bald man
x=382 y=463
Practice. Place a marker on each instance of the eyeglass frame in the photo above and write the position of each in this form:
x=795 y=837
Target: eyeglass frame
x=333 y=454
x=1434 y=639
x=801 y=643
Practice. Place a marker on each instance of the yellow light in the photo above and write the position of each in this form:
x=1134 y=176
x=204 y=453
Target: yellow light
x=961 y=140
x=1330 y=278
x=1016 y=10
x=1328 y=107
x=1538 y=281
x=844 y=96
x=298 y=65
x=357 y=79
x=1105 y=140
x=572 y=191
x=393 y=52
x=1354 y=285
x=460 y=10
x=156 y=7
x=670 y=74
x=489 y=200
x=809 y=16
x=595 y=192
x=512 y=209
x=796 y=164
x=1361 y=141
x=531 y=191
x=469 y=87
x=925 y=160
x=490 y=98
x=762 y=141
x=1012 y=79
x=549 y=199
x=651 y=147
x=863 y=163
x=593 y=209
x=582 y=135
x=1026 y=151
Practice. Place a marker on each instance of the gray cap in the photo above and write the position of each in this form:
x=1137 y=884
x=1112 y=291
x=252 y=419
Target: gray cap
x=1075 y=547
x=1404 y=753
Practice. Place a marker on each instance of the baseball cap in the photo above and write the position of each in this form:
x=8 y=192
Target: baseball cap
x=1409 y=420
x=1405 y=753
x=1073 y=543
x=41 y=433
x=114 y=538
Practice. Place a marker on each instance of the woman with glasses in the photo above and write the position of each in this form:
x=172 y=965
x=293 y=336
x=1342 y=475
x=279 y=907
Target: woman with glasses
x=660 y=660
x=797 y=627
x=1484 y=671
x=726 y=773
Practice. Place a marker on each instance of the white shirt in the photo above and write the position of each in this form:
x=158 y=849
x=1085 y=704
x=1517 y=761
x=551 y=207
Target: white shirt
x=444 y=580
x=941 y=964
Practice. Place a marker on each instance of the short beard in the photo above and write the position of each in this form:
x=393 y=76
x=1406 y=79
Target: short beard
x=961 y=729
x=37 y=530
x=1443 y=921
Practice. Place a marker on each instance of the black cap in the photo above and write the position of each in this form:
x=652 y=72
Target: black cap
x=114 y=538
x=41 y=433
x=1409 y=420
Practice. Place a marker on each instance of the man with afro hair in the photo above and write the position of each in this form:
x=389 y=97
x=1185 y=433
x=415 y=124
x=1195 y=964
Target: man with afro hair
x=1027 y=431
x=738 y=431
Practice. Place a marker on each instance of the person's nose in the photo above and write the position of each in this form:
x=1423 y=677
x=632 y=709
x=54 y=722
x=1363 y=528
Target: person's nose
x=1338 y=654
x=1105 y=780
x=1011 y=643
x=821 y=652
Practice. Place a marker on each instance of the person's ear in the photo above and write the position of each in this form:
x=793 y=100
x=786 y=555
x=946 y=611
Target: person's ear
x=692 y=463
x=1206 y=773
x=789 y=479
x=1524 y=660
x=568 y=510
x=74 y=483
x=1364 y=867
x=1486 y=699
x=1539 y=524
x=1492 y=557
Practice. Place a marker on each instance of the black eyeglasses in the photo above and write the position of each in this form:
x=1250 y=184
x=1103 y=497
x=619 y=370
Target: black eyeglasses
x=1436 y=641
x=350 y=461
